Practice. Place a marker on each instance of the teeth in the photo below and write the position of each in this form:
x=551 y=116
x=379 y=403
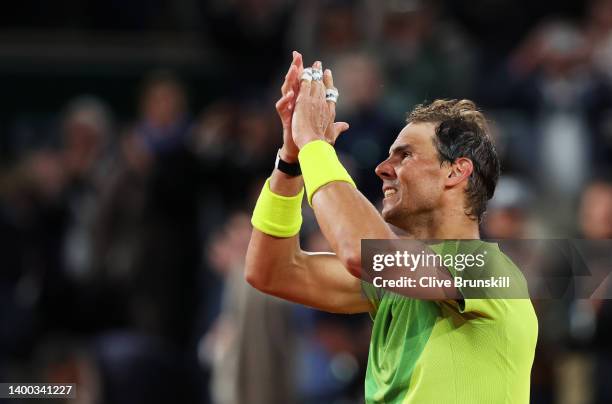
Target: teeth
x=389 y=192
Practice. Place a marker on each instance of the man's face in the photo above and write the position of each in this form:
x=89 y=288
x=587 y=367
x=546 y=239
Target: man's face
x=413 y=178
x=163 y=104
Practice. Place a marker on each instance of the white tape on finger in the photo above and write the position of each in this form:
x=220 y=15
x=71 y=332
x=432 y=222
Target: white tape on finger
x=331 y=94
x=317 y=74
x=307 y=74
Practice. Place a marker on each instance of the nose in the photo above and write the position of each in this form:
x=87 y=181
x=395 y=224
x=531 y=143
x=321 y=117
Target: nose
x=385 y=170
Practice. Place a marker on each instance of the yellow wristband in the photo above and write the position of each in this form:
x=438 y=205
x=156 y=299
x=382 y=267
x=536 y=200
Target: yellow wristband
x=320 y=166
x=277 y=215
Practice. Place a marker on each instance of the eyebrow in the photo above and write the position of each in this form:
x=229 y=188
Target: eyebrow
x=399 y=149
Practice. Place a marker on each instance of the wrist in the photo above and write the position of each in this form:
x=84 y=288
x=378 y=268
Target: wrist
x=287 y=156
x=304 y=140
x=282 y=184
x=320 y=166
x=277 y=215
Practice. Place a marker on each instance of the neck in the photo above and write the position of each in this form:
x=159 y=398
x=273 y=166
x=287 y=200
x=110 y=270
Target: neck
x=441 y=225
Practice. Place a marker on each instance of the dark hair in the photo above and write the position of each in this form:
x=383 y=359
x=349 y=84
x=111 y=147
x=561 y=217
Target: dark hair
x=462 y=131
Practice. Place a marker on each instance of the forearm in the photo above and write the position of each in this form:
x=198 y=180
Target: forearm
x=268 y=254
x=346 y=217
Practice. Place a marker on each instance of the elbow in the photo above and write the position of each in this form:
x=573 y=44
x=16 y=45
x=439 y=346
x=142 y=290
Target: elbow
x=251 y=277
x=255 y=277
x=354 y=267
x=261 y=276
x=351 y=259
x=253 y=271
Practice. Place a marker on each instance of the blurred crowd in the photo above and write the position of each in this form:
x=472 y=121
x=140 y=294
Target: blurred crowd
x=123 y=238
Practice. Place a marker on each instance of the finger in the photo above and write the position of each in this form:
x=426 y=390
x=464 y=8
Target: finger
x=299 y=64
x=291 y=79
x=295 y=61
x=295 y=78
x=305 y=84
x=291 y=101
x=317 y=89
x=328 y=78
x=284 y=101
x=287 y=84
x=328 y=81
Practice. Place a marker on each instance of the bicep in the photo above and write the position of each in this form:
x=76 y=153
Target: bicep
x=320 y=280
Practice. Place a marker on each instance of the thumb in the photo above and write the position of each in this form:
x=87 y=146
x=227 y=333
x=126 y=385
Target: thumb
x=340 y=127
x=335 y=130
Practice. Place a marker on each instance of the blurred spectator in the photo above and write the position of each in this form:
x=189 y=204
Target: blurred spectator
x=598 y=27
x=254 y=337
x=259 y=137
x=50 y=202
x=554 y=60
x=595 y=213
x=148 y=259
x=333 y=348
x=149 y=225
x=426 y=54
x=550 y=78
x=372 y=130
x=508 y=212
x=596 y=223
x=87 y=142
x=147 y=234
x=249 y=33
x=331 y=28
x=165 y=121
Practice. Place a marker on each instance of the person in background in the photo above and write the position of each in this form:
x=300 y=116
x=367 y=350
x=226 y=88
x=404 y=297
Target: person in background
x=508 y=215
x=146 y=289
x=254 y=335
x=362 y=84
x=595 y=220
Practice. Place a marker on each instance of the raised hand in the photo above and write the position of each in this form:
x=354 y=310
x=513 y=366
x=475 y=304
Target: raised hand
x=285 y=106
x=313 y=117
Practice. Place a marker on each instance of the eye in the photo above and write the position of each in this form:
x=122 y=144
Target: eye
x=406 y=154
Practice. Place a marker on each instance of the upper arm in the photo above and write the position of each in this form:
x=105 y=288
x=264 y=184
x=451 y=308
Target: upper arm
x=279 y=267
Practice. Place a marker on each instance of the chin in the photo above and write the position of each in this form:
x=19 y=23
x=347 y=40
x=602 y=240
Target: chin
x=389 y=214
x=391 y=208
x=385 y=216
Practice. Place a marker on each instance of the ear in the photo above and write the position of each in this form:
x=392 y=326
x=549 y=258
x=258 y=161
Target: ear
x=459 y=171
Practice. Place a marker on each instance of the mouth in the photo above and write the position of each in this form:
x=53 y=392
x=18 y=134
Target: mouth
x=389 y=192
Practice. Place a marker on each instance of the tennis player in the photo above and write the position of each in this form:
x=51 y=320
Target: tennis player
x=441 y=171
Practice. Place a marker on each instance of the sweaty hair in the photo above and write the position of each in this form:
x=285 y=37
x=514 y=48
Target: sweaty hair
x=462 y=131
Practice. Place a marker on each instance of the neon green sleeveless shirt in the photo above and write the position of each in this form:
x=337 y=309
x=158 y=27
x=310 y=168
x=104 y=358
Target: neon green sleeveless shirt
x=429 y=352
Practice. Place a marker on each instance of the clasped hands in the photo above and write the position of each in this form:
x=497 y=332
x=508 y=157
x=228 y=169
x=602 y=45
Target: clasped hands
x=305 y=113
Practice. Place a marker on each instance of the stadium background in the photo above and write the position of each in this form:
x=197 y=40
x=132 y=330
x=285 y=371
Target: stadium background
x=134 y=137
